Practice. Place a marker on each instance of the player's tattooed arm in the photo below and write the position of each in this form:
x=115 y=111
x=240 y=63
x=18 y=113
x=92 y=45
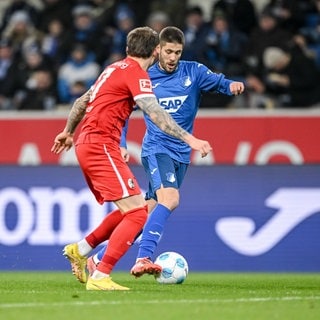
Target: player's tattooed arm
x=64 y=140
x=166 y=123
x=161 y=118
x=77 y=112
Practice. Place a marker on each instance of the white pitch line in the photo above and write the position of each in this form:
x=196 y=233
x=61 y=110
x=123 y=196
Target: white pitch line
x=181 y=301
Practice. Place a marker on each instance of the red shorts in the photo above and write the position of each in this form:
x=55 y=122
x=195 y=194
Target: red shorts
x=107 y=174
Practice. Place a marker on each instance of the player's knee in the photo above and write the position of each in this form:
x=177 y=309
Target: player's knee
x=169 y=197
x=173 y=200
x=138 y=215
x=174 y=203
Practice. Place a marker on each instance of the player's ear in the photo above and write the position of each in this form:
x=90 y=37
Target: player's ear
x=158 y=48
x=156 y=53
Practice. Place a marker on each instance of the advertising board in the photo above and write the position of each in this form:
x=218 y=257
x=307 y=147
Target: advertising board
x=231 y=218
x=237 y=138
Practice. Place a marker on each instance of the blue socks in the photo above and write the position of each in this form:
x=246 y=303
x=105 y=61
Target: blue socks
x=101 y=252
x=153 y=230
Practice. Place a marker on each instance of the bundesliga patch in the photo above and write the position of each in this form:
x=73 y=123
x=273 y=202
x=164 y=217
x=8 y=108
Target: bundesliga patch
x=145 y=85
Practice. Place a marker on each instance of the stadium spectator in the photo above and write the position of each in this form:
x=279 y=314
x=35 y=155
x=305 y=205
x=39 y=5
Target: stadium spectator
x=195 y=29
x=56 y=25
x=77 y=89
x=40 y=93
x=17 y=82
x=241 y=14
x=14 y=6
x=125 y=22
x=291 y=14
x=157 y=20
x=87 y=31
x=22 y=33
x=290 y=80
x=8 y=73
x=223 y=47
x=56 y=9
x=311 y=31
x=33 y=59
x=55 y=43
x=79 y=67
x=268 y=33
x=222 y=52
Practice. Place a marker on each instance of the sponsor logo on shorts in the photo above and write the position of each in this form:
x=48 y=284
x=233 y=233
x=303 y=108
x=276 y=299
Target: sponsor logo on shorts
x=131 y=183
x=170 y=177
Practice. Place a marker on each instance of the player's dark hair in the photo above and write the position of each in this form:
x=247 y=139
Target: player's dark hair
x=171 y=34
x=141 y=42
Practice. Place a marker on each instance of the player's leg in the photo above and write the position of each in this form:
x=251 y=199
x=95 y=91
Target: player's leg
x=77 y=252
x=119 y=242
x=165 y=176
x=151 y=236
x=110 y=179
x=95 y=165
x=94 y=260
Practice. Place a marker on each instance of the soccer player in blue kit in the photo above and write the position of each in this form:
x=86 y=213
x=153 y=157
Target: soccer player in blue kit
x=178 y=86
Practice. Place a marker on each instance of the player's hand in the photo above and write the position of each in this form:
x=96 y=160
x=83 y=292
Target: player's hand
x=236 y=87
x=202 y=146
x=124 y=154
x=63 y=141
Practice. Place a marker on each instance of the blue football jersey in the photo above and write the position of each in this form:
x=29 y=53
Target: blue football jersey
x=179 y=93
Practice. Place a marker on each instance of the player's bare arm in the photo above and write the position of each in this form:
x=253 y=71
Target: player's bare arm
x=165 y=122
x=64 y=140
x=77 y=112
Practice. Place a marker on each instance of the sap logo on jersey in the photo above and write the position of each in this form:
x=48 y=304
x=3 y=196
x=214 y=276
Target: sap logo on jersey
x=172 y=104
x=145 y=85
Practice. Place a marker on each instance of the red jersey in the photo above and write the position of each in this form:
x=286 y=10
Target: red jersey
x=111 y=103
x=112 y=99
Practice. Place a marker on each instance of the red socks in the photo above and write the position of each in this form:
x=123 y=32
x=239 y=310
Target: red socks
x=105 y=228
x=122 y=237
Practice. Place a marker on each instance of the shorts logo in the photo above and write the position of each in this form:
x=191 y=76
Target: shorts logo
x=170 y=177
x=130 y=183
x=145 y=85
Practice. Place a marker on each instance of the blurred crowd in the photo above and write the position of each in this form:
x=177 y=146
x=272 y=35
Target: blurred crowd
x=52 y=54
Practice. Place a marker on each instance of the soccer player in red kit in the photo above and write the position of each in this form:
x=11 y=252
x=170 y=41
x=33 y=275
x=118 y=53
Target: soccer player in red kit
x=104 y=110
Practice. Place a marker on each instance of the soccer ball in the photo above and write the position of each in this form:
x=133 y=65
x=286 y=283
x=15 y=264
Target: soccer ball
x=174 y=268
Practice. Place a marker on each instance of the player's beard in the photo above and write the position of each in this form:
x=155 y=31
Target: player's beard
x=167 y=66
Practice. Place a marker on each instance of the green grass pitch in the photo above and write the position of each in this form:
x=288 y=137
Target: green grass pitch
x=203 y=296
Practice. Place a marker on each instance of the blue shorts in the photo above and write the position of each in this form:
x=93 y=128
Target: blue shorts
x=161 y=169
